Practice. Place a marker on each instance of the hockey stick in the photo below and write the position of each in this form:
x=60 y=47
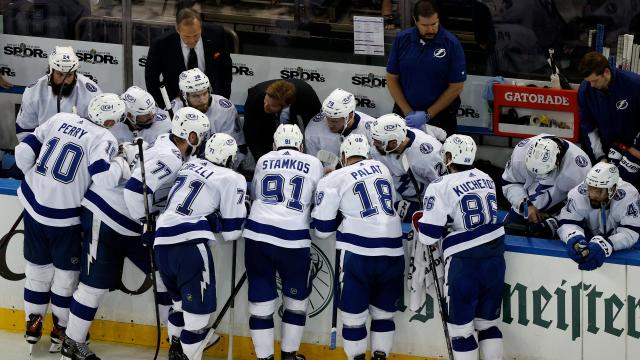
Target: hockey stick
x=148 y=226
x=165 y=98
x=336 y=301
x=227 y=305
x=432 y=263
x=232 y=314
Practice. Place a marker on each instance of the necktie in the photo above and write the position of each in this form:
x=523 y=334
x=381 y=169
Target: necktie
x=192 y=61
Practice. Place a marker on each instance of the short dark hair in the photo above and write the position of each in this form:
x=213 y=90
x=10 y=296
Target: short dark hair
x=593 y=63
x=187 y=15
x=425 y=8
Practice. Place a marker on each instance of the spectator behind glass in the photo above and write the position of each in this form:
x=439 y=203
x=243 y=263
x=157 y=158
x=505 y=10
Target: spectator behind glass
x=274 y=102
x=44 y=18
x=426 y=71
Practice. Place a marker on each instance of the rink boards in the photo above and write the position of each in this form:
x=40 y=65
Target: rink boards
x=550 y=309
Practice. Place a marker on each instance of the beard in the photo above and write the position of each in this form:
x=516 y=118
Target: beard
x=65 y=90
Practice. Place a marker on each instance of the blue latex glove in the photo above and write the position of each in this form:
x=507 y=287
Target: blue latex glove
x=215 y=221
x=599 y=249
x=417 y=119
x=575 y=246
x=148 y=238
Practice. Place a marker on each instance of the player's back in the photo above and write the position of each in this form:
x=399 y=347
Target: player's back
x=469 y=198
x=200 y=189
x=283 y=185
x=71 y=150
x=363 y=193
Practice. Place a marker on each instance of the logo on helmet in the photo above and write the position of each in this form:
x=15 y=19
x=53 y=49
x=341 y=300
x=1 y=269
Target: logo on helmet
x=183 y=76
x=230 y=142
x=347 y=99
x=390 y=127
x=129 y=98
x=426 y=148
x=581 y=161
x=546 y=156
x=106 y=107
x=439 y=53
x=457 y=140
x=191 y=116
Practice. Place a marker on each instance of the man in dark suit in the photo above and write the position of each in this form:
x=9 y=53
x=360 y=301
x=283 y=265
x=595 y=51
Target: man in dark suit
x=274 y=102
x=193 y=45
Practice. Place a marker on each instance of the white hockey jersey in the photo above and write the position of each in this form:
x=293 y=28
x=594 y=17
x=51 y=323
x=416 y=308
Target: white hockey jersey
x=39 y=103
x=619 y=222
x=425 y=162
x=519 y=184
x=362 y=194
x=201 y=189
x=283 y=185
x=161 y=163
x=161 y=125
x=317 y=135
x=223 y=117
x=60 y=159
x=469 y=198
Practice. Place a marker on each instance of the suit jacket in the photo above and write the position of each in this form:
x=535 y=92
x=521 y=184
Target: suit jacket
x=259 y=126
x=165 y=57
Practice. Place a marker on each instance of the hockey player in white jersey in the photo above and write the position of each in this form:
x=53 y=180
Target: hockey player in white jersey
x=63 y=83
x=473 y=250
x=162 y=161
x=339 y=118
x=369 y=234
x=601 y=216
x=195 y=91
x=277 y=239
x=207 y=196
x=537 y=179
x=60 y=159
x=143 y=119
x=393 y=142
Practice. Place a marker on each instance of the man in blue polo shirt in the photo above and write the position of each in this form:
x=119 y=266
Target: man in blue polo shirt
x=609 y=101
x=426 y=71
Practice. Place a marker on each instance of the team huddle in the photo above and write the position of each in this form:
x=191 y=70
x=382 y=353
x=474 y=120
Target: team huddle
x=109 y=177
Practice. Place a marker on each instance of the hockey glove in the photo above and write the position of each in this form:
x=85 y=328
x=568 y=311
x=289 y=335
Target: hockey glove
x=329 y=160
x=215 y=221
x=122 y=163
x=545 y=229
x=599 y=249
x=577 y=248
x=417 y=119
x=436 y=132
x=148 y=237
x=614 y=156
x=131 y=153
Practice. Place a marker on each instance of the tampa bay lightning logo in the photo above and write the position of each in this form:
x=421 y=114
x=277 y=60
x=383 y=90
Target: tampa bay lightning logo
x=319 y=197
x=439 y=53
x=322 y=282
x=622 y=104
x=581 y=161
x=619 y=195
x=91 y=87
x=318 y=117
x=523 y=142
x=367 y=125
x=426 y=148
x=225 y=103
x=582 y=189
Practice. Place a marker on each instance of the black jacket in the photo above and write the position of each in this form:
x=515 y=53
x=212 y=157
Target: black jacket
x=259 y=126
x=165 y=57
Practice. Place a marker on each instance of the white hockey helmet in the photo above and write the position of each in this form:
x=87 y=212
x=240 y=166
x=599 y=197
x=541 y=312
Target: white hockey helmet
x=387 y=128
x=339 y=104
x=354 y=145
x=287 y=135
x=106 y=110
x=63 y=59
x=139 y=102
x=542 y=156
x=187 y=120
x=191 y=81
x=221 y=148
x=462 y=149
x=604 y=176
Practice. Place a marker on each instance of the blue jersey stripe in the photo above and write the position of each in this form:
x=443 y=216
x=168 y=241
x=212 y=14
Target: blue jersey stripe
x=99 y=166
x=112 y=213
x=459 y=238
x=46 y=211
x=135 y=185
x=33 y=143
x=370 y=243
x=277 y=232
x=183 y=228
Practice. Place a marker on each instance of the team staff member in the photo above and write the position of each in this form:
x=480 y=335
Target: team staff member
x=274 y=102
x=426 y=71
x=609 y=101
x=193 y=45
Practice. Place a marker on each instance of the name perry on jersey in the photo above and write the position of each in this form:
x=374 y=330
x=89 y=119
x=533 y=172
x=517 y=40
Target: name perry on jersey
x=72 y=130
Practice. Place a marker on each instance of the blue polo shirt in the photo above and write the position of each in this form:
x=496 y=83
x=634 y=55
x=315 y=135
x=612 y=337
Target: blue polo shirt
x=426 y=67
x=615 y=113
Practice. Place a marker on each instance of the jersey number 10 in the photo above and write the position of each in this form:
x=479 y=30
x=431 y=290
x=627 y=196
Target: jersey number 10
x=66 y=164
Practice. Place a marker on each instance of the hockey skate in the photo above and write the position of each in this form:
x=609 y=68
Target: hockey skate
x=175 y=350
x=379 y=355
x=291 y=356
x=73 y=350
x=34 y=331
x=57 y=336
